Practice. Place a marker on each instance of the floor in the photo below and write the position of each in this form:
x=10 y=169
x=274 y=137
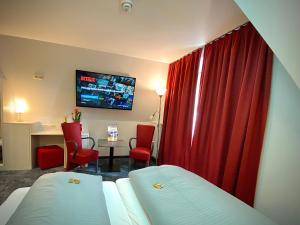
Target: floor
x=11 y=180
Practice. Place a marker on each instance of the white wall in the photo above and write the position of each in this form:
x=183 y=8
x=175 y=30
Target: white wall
x=278 y=22
x=1 y=108
x=278 y=187
x=50 y=99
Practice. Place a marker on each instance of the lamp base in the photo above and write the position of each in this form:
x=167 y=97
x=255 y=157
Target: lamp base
x=19 y=117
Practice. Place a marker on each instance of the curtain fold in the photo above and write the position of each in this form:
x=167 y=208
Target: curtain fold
x=232 y=111
x=178 y=111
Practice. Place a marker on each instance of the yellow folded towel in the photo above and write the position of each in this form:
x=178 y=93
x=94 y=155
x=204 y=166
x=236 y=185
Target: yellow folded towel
x=74 y=180
x=158 y=186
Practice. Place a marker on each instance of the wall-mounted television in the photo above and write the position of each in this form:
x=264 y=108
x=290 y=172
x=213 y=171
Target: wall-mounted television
x=99 y=90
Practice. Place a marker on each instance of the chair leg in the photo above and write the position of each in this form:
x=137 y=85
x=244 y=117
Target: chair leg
x=129 y=164
x=147 y=163
x=97 y=166
x=69 y=166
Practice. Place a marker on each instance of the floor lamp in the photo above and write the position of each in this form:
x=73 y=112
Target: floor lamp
x=160 y=92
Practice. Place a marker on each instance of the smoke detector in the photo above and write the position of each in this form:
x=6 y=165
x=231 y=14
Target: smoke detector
x=127 y=5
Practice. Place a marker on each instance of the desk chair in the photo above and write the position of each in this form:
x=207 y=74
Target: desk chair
x=76 y=155
x=143 y=149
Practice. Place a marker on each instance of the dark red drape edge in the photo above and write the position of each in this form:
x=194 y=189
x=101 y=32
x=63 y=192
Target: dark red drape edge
x=181 y=88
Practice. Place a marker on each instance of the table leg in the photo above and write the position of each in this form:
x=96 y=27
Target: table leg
x=111 y=157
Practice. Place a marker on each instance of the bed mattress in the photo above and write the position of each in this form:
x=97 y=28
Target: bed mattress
x=137 y=201
x=9 y=206
x=174 y=196
x=63 y=198
x=135 y=211
x=118 y=213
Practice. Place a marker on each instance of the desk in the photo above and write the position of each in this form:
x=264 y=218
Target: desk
x=47 y=137
x=20 y=141
x=48 y=132
x=17 y=146
x=111 y=145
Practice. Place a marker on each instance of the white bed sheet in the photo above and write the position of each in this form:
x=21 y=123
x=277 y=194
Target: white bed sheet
x=116 y=210
x=134 y=208
x=10 y=205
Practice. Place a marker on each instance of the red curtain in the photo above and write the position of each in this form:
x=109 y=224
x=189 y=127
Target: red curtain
x=178 y=111
x=232 y=112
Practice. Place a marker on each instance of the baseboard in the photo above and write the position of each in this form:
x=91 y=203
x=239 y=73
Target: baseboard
x=115 y=156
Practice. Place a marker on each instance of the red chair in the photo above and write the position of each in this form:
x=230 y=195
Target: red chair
x=76 y=155
x=143 y=149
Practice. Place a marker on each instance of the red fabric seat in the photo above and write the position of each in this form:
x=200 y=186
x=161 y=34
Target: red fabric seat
x=84 y=156
x=140 y=154
x=50 y=156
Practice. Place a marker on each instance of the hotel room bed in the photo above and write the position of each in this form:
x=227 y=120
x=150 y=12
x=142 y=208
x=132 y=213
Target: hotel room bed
x=122 y=205
x=178 y=198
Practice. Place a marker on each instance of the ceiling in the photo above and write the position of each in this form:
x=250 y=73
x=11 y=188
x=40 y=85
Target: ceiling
x=159 y=30
x=278 y=23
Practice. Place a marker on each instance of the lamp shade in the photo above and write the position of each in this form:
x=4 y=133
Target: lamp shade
x=20 y=106
x=160 y=91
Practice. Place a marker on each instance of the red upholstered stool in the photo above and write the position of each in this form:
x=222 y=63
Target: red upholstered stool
x=50 y=156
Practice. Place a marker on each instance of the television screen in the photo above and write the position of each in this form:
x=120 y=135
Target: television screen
x=100 y=90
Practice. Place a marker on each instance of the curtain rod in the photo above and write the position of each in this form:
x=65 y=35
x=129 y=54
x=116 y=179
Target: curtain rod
x=208 y=43
x=229 y=32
